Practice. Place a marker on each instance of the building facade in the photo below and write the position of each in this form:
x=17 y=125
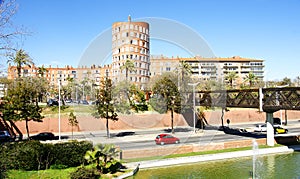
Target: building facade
x=54 y=75
x=130 y=41
x=210 y=68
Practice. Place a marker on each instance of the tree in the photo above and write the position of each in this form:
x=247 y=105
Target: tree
x=128 y=66
x=231 y=77
x=251 y=78
x=8 y=31
x=128 y=96
x=20 y=102
x=104 y=156
x=166 y=96
x=184 y=69
x=42 y=70
x=72 y=121
x=297 y=81
x=20 y=59
x=104 y=105
x=285 y=81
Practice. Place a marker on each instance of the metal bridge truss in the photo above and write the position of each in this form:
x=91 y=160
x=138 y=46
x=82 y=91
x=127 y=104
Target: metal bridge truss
x=266 y=99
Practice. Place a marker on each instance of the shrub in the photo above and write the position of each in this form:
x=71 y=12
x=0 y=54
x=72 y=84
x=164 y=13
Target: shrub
x=33 y=155
x=70 y=154
x=84 y=173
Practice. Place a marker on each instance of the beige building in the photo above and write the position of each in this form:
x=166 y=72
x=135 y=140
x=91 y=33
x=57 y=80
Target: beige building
x=130 y=41
x=210 y=68
x=54 y=75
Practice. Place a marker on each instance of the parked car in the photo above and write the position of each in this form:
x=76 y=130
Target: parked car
x=280 y=130
x=69 y=101
x=260 y=128
x=5 y=136
x=84 y=102
x=166 y=139
x=52 y=102
x=43 y=136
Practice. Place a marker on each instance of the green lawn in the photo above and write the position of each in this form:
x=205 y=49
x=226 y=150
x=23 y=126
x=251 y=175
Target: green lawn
x=65 y=110
x=44 y=174
x=50 y=174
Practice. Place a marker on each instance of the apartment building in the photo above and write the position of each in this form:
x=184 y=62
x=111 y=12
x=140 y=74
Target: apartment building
x=210 y=68
x=130 y=41
x=54 y=75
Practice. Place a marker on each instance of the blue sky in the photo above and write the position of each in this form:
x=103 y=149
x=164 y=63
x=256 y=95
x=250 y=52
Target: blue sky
x=262 y=29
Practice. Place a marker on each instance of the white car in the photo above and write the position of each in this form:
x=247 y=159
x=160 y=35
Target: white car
x=260 y=128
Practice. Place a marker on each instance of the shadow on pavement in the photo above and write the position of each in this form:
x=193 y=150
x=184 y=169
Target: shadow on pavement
x=242 y=132
x=177 y=130
x=122 y=134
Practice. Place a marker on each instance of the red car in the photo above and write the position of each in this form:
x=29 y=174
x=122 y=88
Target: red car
x=166 y=139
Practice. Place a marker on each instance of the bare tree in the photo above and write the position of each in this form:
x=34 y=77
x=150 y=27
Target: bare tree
x=9 y=33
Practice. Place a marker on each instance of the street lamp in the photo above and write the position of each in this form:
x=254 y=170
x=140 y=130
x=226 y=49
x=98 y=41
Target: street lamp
x=59 y=135
x=194 y=105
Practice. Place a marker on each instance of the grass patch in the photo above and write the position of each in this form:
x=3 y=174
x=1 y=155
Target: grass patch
x=45 y=174
x=52 y=174
x=198 y=153
x=52 y=111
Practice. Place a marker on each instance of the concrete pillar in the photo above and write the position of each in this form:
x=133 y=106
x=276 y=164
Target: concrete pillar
x=270 y=129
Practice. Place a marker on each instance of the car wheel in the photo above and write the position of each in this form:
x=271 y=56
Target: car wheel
x=177 y=141
x=162 y=143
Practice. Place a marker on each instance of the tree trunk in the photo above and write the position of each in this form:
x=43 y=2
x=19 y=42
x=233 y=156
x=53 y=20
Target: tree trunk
x=72 y=132
x=107 y=130
x=27 y=129
x=222 y=118
x=172 y=121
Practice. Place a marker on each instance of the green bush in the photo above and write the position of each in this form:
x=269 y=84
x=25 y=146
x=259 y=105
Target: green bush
x=84 y=173
x=33 y=155
x=70 y=154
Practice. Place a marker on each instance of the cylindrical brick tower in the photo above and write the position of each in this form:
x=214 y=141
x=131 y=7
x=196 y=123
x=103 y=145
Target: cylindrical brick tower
x=130 y=41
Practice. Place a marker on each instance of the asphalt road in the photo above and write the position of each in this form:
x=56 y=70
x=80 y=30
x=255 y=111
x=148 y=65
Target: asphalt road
x=208 y=136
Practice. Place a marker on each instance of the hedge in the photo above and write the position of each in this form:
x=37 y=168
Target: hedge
x=34 y=155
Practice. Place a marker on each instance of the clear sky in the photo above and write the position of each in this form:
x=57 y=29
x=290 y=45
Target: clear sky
x=261 y=29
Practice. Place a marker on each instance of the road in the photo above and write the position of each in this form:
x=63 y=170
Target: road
x=145 y=138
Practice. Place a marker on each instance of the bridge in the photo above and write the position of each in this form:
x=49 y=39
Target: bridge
x=267 y=100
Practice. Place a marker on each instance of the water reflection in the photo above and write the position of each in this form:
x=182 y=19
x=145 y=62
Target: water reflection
x=285 y=166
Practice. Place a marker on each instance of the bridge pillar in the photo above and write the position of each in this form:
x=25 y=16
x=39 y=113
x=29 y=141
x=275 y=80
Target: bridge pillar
x=270 y=129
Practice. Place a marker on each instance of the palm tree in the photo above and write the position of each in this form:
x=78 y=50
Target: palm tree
x=251 y=78
x=231 y=77
x=21 y=58
x=128 y=66
x=184 y=68
x=42 y=70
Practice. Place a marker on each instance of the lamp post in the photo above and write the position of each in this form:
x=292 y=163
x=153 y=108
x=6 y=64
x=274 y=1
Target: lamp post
x=59 y=135
x=194 y=105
